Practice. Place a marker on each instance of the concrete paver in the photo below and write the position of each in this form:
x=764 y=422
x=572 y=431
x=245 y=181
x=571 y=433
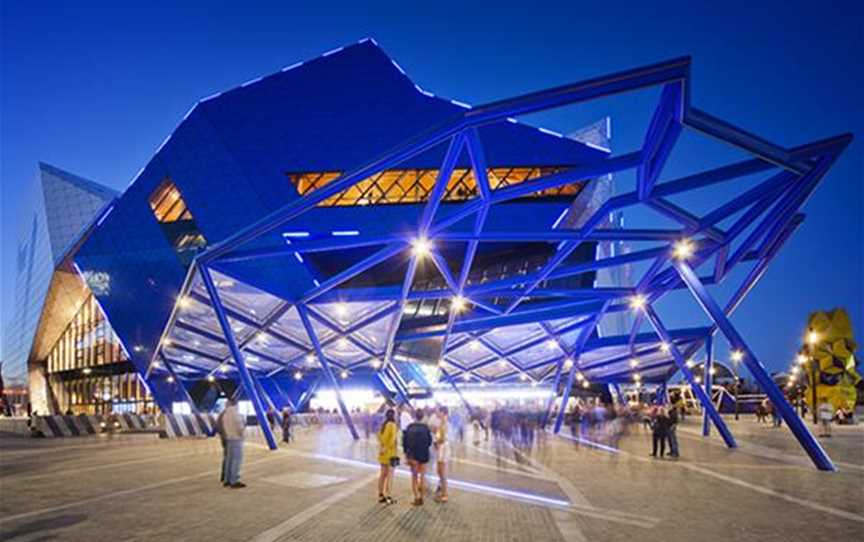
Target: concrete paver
x=322 y=487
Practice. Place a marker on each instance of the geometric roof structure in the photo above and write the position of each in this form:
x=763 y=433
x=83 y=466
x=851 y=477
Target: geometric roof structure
x=294 y=281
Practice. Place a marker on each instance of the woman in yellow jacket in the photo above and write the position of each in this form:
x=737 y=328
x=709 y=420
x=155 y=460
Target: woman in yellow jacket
x=387 y=456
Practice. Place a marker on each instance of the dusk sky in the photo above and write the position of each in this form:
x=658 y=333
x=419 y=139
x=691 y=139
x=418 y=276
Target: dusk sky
x=94 y=88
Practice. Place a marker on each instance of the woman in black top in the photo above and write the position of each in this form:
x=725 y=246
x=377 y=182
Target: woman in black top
x=416 y=440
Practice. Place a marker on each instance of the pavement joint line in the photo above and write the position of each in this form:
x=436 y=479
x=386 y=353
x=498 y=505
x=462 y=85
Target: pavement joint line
x=570 y=490
x=37 y=450
x=759 y=450
x=121 y=493
x=585 y=509
x=502 y=458
x=274 y=533
x=512 y=472
x=66 y=472
x=753 y=487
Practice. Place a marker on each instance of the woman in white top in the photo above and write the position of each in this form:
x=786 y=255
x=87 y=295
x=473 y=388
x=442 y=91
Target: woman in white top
x=442 y=453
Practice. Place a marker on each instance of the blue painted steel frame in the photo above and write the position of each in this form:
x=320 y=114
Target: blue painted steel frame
x=325 y=365
x=778 y=198
x=709 y=382
x=787 y=412
x=245 y=375
x=698 y=391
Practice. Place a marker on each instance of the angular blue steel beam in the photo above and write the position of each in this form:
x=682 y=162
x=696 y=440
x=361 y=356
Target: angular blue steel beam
x=796 y=424
x=239 y=361
x=724 y=131
x=698 y=391
x=351 y=272
x=547 y=410
x=626 y=81
x=708 y=377
x=581 y=340
x=459 y=393
x=627 y=373
x=328 y=372
x=307 y=395
x=663 y=131
x=183 y=391
x=286 y=399
x=440 y=187
x=426 y=219
x=554 y=236
x=570 y=176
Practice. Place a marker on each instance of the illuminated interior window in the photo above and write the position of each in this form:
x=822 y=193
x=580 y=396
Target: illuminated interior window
x=394 y=186
x=168 y=204
x=176 y=220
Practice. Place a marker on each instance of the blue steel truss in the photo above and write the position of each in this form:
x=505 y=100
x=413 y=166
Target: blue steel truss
x=762 y=219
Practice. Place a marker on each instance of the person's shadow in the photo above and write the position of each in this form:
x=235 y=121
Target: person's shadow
x=57 y=522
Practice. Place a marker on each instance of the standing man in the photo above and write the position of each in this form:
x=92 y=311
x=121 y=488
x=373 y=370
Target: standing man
x=672 y=433
x=232 y=427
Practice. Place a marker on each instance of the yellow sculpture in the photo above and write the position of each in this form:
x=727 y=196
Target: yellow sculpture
x=829 y=354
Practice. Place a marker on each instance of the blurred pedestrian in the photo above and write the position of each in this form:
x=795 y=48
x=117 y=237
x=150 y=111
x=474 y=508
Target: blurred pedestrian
x=826 y=413
x=286 y=425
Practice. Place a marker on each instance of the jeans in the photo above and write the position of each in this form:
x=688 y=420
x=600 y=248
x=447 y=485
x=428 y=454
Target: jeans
x=658 y=438
x=672 y=435
x=233 y=458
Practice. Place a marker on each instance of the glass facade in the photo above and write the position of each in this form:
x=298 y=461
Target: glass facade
x=88 y=371
x=395 y=186
x=58 y=209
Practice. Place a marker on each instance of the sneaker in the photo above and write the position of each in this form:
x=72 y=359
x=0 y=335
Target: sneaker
x=390 y=500
x=382 y=499
x=417 y=502
x=238 y=485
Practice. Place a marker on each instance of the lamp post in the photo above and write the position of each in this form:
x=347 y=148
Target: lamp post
x=736 y=356
x=812 y=341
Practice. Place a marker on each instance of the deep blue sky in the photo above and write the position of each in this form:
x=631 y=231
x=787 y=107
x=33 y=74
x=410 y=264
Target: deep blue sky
x=94 y=87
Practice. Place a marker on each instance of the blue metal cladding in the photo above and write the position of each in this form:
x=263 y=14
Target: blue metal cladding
x=525 y=325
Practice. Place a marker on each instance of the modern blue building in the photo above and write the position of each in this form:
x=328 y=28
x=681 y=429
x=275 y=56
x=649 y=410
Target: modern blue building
x=335 y=223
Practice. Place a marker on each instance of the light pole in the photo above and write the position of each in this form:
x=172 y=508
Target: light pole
x=812 y=341
x=737 y=356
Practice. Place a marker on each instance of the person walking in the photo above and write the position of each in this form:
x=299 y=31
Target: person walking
x=442 y=453
x=387 y=456
x=416 y=440
x=232 y=426
x=286 y=425
x=826 y=414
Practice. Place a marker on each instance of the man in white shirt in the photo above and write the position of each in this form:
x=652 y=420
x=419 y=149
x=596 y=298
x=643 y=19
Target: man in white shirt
x=232 y=427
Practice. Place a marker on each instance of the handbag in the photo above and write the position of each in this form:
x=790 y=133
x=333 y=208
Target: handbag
x=394 y=461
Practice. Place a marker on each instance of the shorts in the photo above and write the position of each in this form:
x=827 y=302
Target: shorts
x=442 y=453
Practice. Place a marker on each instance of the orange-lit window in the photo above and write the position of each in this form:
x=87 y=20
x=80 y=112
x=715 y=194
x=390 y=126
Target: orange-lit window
x=414 y=185
x=168 y=204
x=176 y=220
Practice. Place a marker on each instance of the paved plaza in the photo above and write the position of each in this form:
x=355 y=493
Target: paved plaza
x=322 y=487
